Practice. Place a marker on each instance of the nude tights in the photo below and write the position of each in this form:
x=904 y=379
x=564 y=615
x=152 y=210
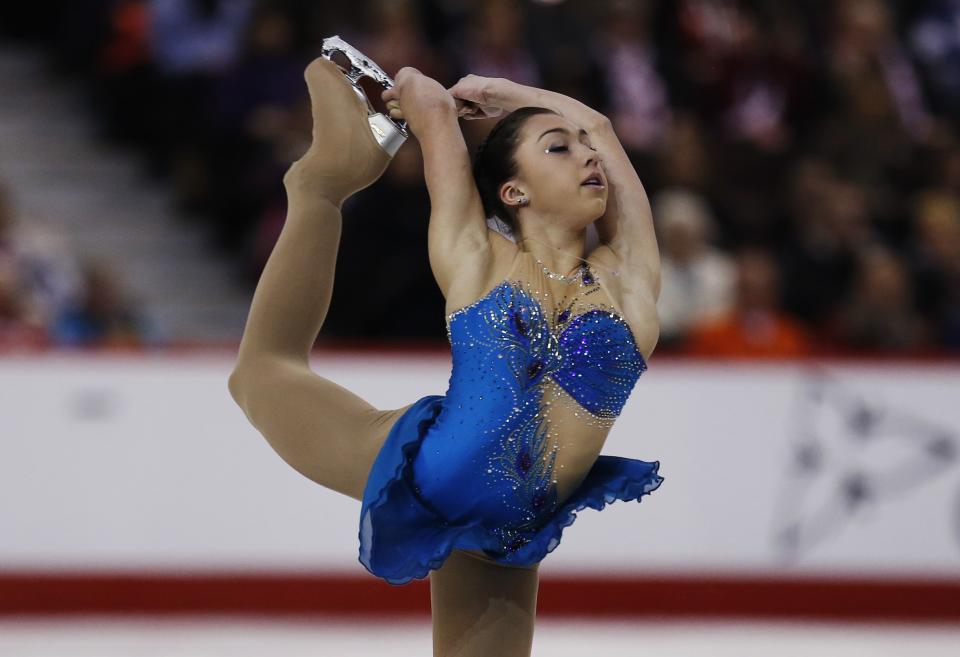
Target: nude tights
x=323 y=430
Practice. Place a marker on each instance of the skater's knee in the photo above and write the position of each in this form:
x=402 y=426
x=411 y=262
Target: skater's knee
x=237 y=383
x=246 y=371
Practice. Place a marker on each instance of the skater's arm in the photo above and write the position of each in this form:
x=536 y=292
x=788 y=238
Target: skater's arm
x=509 y=96
x=458 y=227
x=627 y=238
x=625 y=230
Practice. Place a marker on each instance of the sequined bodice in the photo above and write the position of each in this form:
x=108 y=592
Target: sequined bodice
x=591 y=354
x=518 y=351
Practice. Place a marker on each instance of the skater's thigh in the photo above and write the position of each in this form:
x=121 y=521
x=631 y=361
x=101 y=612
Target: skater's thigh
x=323 y=430
x=481 y=608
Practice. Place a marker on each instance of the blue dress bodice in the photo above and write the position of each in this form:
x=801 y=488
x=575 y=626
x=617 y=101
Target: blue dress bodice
x=489 y=453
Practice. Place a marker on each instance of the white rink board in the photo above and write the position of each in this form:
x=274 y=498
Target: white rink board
x=145 y=462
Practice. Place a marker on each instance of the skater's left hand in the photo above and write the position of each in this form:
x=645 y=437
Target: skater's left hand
x=475 y=97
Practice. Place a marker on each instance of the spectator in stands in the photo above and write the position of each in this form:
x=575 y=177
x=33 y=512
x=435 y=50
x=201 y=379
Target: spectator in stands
x=880 y=313
x=829 y=226
x=267 y=78
x=21 y=326
x=697 y=280
x=638 y=104
x=396 y=38
x=873 y=69
x=753 y=70
x=569 y=57
x=192 y=42
x=197 y=36
x=44 y=265
x=398 y=212
x=102 y=317
x=686 y=158
x=755 y=327
x=123 y=73
x=493 y=46
x=935 y=39
x=807 y=133
x=254 y=103
x=935 y=260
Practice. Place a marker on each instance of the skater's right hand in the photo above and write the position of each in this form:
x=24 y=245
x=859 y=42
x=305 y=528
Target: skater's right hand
x=415 y=98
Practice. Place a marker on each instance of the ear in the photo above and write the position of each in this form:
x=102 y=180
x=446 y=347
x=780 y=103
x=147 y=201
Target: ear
x=510 y=193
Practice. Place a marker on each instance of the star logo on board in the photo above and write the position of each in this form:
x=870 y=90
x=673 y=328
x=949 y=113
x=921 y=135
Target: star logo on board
x=847 y=457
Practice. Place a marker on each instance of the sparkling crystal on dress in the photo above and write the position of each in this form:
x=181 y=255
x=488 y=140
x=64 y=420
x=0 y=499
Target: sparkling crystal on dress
x=587 y=277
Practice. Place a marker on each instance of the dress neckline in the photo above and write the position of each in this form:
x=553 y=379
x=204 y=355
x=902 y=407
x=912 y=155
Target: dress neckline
x=582 y=274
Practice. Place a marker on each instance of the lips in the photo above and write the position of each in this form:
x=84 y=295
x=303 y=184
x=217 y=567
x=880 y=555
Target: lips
x=593 y=180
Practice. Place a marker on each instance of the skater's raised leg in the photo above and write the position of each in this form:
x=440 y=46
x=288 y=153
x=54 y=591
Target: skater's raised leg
x=324 y=431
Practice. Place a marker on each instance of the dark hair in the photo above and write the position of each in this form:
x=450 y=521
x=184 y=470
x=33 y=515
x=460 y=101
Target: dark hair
x=494 y=162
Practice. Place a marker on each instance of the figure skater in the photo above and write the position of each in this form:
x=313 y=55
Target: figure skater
x=474 y=487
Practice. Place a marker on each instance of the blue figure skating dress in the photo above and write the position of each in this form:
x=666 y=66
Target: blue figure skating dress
x=537 y=373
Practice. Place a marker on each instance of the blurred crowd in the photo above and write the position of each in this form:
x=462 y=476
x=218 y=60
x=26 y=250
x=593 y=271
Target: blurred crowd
x=802 y=158
x=50 y=296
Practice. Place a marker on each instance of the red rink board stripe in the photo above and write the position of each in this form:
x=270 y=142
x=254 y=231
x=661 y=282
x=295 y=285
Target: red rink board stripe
x=848 y=599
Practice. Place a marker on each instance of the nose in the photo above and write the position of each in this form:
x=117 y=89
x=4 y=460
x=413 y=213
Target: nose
x=592 y=157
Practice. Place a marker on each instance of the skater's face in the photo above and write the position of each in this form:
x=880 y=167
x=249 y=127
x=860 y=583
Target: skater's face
x=555 y=160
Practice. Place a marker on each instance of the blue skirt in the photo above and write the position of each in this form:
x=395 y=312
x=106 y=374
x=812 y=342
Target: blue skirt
x=403 y=538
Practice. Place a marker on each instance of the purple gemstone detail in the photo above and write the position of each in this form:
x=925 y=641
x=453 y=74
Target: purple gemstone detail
x=524 y=462
x=520 y=324
x=534 y=369
x=587 y=277
x=538 y=500
x=563 y=316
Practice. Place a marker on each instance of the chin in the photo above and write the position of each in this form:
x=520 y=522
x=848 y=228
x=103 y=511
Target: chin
x=590 y=216
x=597 y=213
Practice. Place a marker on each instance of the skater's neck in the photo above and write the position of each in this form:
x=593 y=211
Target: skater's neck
x=559 y=250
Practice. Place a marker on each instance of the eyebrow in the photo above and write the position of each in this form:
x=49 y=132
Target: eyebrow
x=547 y=132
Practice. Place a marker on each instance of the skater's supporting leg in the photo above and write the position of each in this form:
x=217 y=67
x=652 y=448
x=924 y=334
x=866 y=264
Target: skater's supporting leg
x=481 y=608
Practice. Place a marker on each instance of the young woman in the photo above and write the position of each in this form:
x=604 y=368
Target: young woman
x=474 y=487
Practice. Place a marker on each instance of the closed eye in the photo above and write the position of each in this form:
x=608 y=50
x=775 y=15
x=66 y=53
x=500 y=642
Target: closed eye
x=556 y=149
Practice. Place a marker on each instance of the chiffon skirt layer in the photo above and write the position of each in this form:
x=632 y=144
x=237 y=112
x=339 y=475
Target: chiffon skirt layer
x=402 y=537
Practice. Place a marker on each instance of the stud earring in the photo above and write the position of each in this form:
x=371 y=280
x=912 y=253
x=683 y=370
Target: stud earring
x=522 y=201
